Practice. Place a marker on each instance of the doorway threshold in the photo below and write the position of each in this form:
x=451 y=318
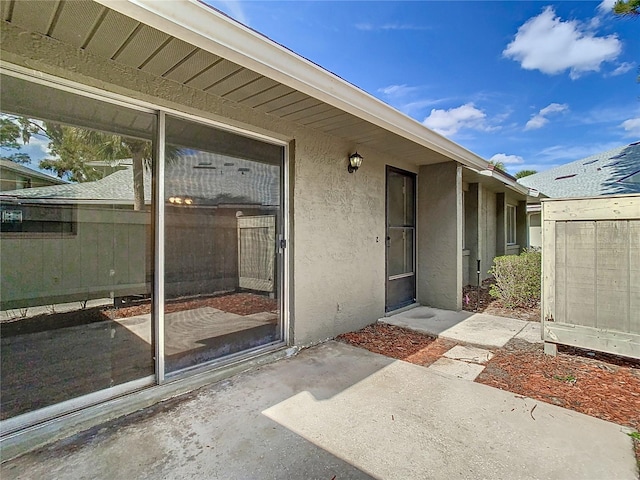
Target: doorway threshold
x=402 y=309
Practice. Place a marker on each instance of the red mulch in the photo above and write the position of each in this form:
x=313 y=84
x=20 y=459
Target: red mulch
x=588 y=385
x=399 y=343
x=601 y=385
x=387 y=340
x=238 y=303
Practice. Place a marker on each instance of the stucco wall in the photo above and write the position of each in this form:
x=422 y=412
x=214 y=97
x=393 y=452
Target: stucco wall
x=473 y=236
x=337 y=219
x=522 y=235
x=440 y=235
x=488 y=219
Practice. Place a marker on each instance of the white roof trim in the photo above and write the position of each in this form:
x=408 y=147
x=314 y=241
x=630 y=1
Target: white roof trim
x=507 y=180
x=204 y=27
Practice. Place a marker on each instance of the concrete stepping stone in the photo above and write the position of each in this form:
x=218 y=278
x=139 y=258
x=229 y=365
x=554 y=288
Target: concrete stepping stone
x=469 y=354
x=457 y=368
x=532 y=333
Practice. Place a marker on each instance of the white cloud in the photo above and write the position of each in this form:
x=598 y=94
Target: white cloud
x=540 y=119
x=606 y=6
x=449 y=122
x=233 y=8
x=564 y=153
x=621 y=69
x=631 y=127
x=397 y=90
x=507 y=159
x=548 y=44
x=368 y=27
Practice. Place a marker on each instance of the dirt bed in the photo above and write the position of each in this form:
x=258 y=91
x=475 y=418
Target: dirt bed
x=479 y=300
x=238 y=303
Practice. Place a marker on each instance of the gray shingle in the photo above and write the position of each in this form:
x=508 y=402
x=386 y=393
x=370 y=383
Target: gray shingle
x=605 y=173
x=205 y=177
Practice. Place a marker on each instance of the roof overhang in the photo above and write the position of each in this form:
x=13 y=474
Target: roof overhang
x=30 y=172
x=499 y=181
x=190 y=32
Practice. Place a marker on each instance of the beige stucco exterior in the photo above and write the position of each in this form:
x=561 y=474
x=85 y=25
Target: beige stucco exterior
x=337 y=219
x=440 y=235
x=485 y=225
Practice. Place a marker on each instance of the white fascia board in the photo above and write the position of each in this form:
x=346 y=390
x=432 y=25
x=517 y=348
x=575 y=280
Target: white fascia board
x=206 y=28
x=507 y=181
x=513 y=185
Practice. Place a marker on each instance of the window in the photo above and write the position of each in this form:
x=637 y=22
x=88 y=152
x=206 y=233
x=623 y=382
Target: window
x=511 y=225
x=30 y=217
x=70 y=252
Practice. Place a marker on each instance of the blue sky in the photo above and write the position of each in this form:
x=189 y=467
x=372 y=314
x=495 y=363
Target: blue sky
x=533 y=84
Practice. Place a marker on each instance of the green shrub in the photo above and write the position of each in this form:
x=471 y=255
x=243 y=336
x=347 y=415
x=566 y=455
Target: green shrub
x=518 y=279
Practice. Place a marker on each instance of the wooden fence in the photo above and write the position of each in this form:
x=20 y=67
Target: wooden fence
x=591 y=274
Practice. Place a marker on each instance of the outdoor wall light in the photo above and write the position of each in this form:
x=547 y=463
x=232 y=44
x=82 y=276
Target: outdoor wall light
x=355 y=160
x=180 y=201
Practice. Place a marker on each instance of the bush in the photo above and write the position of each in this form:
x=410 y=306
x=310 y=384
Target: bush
x=518 y=279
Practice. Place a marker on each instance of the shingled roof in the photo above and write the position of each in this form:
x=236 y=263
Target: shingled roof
x=613 y=172
x=207 y=178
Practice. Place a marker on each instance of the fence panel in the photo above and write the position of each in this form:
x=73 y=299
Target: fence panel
x=591 y=274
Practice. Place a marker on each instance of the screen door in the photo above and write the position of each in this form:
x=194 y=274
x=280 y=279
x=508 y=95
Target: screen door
x=401 y=275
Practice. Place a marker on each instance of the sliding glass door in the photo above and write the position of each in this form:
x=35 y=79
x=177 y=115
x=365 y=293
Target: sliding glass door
x=222 y=222
x=133 y=244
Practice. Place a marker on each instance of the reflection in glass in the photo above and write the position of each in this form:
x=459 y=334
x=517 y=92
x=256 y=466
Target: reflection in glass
x=222 y=218
x=400 y=191
x=75 y=256
x=400 y=251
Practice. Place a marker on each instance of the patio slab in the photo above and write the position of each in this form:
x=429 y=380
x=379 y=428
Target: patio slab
x=469 y=354
x=531 y=333
x=465 y=327
x=340 y=411
x=457 y=368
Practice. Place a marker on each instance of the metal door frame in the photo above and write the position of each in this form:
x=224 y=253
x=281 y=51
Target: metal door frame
x=412 y=175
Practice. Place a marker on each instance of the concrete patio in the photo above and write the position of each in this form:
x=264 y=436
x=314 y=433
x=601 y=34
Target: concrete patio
x=336 y=411
x=467 y=327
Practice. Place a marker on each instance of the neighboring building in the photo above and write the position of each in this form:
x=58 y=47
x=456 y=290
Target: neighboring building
x=14 y=176
x=494 y=221
x=248 y=191
x=614 y=172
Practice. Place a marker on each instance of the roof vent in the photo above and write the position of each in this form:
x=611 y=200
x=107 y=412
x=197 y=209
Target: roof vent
x=204 y=165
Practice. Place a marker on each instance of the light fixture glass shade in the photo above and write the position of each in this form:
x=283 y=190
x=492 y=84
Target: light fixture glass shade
x=355 y=160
